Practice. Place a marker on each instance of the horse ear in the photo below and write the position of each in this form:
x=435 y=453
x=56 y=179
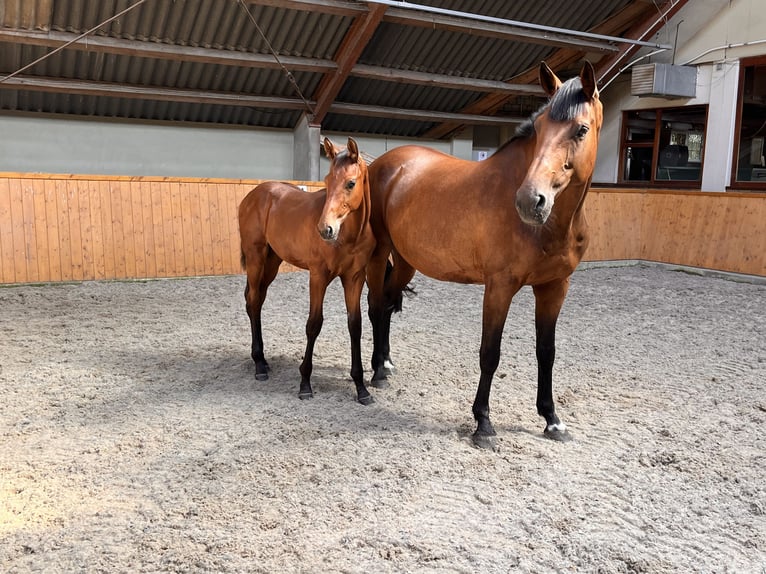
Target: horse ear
x=329 y=149
x=588 y=79
x=353 y=150
x=548 y=80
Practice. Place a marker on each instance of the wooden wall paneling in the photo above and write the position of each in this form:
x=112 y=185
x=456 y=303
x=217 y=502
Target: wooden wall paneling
x=7 y=258
x=75 y=230
x=196 y=220
x=128 y=237
x=153 y=245
x=51 y=223
x=107 y=230
x=753 y=253
x=207 y=233
x=179 y=262
x=168 y=239
x=40 y=230
x=211 y=192
x=187 y=238
x=17 y=227
x=85 y=209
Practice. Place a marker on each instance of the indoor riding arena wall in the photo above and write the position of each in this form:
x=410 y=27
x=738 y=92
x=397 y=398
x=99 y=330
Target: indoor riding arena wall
x=73 y=228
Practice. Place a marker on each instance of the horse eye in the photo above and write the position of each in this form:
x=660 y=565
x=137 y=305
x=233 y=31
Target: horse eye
x=581 y=132
x=350 y=185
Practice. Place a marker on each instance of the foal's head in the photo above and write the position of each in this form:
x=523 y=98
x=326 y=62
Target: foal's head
x=566 y=140
x=345 y=182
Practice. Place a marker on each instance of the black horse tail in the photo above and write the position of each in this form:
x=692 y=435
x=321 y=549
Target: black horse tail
x=396 y=304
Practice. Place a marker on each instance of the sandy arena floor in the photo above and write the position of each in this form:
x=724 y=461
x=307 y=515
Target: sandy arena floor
x=134 y=437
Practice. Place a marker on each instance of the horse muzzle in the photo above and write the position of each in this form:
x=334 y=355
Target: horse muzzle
x=533 y=206
x=329 y=232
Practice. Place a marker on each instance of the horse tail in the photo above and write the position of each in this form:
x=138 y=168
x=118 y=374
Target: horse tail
x=242 y=259
x=396 y=304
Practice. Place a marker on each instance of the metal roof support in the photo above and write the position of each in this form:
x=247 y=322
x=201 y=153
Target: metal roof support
x=548 y=34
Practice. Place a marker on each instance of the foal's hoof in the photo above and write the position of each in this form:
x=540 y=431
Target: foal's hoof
x=261 y=376
x=484 y=441
x=368 y=400
x=305 y=395
x=558 y=432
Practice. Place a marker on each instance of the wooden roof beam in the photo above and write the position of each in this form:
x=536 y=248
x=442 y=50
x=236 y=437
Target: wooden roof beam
x=351 y=48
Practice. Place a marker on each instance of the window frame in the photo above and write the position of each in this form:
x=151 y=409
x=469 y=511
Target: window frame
x=734 y=184
x=653 y=182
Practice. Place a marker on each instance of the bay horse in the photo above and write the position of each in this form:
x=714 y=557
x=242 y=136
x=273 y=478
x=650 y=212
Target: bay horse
x=327 y=232
x=514 y=219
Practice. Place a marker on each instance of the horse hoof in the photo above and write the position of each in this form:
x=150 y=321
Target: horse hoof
x=261 y=376
x=484 y=441
x=559 y=433
x=305 y=395
x=368 y=400
x=380 y=383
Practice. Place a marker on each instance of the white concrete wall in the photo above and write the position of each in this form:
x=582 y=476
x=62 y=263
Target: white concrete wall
x=59 y=144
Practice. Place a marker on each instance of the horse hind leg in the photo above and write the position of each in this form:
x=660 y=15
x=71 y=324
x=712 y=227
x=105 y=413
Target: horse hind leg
x=397 y=279
x=261 y=266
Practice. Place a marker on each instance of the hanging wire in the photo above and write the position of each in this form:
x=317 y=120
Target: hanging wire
x=67 y=44
x=288 y=74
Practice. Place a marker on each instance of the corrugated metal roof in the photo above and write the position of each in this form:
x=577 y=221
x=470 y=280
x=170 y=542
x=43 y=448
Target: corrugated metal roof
x=306 y=33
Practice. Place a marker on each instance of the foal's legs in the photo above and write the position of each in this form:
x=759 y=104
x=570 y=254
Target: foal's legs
x=352 y=290
x=318 y=282
x=262 y=265
x=497 y=301
x=548 y=301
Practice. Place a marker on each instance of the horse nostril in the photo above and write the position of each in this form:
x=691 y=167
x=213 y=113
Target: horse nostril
x=540 y=205
x=327 y=232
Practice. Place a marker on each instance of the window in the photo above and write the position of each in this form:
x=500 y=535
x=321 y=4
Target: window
x=663 y=147
x=750 y=153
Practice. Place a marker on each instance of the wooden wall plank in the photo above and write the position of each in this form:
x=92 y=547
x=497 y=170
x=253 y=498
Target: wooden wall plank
x=177 y=230
x=7 y=257
x=17 y=227
x=196 y=221
x=107 y=230
x=187 y=232
x=40 y=230
x=51 y=223
x=129 y=238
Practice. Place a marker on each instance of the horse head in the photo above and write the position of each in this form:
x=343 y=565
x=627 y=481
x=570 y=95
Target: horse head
x=345 y=182
x=566 y=140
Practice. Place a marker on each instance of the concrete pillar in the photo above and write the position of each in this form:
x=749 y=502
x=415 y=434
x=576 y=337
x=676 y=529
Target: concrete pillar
x=306 y=146
x=721 y=125
x=462 y=144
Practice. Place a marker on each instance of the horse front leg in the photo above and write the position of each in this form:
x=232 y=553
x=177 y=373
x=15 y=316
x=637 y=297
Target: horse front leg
x=497 y=301
x=318 y=283
x=549 y=299
x=352 y=290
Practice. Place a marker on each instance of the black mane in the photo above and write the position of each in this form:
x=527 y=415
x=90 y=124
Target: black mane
x=565 y=105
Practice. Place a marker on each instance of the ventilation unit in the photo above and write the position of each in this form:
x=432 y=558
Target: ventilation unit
x=664 y=81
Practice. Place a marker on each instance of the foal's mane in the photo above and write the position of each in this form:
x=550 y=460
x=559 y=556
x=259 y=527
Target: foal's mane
x=565 y=105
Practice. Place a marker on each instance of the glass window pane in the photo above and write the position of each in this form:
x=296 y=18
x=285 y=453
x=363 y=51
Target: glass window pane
x=751 y=163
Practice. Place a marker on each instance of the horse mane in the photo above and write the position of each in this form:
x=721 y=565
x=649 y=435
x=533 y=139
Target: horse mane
x=566 y=104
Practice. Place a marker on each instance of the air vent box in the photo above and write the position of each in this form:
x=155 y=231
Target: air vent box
x=664 y=81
